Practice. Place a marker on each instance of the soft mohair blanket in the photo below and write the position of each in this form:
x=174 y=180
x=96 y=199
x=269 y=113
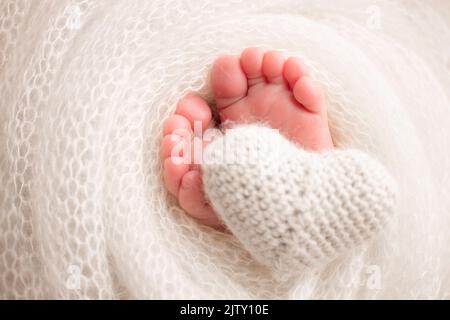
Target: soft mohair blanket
x=86 y=85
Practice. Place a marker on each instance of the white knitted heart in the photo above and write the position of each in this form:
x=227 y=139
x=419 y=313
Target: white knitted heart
x=291 y=208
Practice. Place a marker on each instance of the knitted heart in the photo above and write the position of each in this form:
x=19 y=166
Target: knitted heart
x=291 y=208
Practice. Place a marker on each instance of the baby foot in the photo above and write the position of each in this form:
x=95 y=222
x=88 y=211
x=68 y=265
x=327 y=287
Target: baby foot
x=182 y=175
x=267 y=88
x=254 y=87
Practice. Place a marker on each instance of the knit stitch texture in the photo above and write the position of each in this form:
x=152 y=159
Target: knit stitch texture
x=291 y=208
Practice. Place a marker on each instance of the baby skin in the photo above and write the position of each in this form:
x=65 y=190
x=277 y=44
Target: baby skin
x=258 y=86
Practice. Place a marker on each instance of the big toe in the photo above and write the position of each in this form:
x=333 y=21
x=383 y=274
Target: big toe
x=228 y=81
x=309 y=94
x=196 y=111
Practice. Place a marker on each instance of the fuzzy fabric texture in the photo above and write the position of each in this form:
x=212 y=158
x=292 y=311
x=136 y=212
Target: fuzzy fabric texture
x=292 y=208
x=86 y=85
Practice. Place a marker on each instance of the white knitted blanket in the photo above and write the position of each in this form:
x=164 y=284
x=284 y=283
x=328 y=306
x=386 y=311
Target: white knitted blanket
x=86 y=85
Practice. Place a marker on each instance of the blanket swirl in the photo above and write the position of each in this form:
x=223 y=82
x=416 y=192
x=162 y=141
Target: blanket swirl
x=85 y=86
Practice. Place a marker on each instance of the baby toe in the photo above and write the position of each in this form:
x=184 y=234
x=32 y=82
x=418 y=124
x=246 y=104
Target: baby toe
x=251 y=62
x=174 y=170
x=228 y=81
x=179 y=124
x=309 y=94
x=195 y=110
x=192 y=199
x=272 y=66
x=293 y=70
x=170 y=146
